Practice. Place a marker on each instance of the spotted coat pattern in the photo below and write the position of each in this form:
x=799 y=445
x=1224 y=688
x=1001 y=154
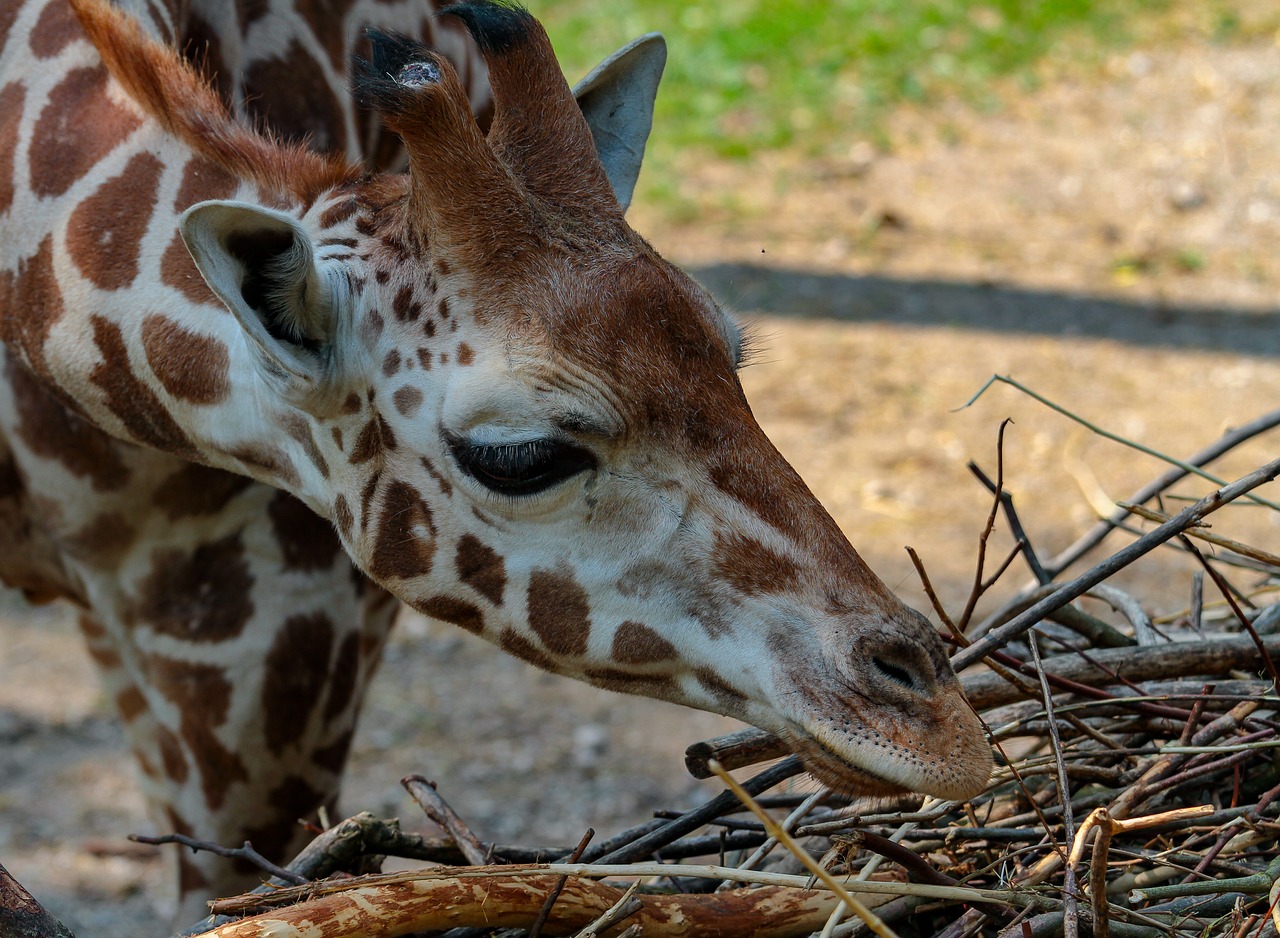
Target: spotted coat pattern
x=233 y=366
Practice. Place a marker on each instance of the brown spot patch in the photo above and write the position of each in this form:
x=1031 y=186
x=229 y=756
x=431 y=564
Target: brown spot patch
x=342 y=515
x=559 y=612
x=375 y=436
x=178 y=270
x=171 y=755
x=446 y=488
x=366 y=498
x=750 y=567
x=624 y=682
x=339 y=211
x=8 y=13
x=130 y=703
x=267 y=459
x=299 y=428
x=465 y=355
x=196 y=491
x=480 y=567
x=199 y=596
x=202 y=695
x=202 y=180
x=726 y=694
x=297 y=669
x=513 y=643
x=293 y=799
x=307 y=542
x=424 y=358
x=64 y=145
x=11 y=99
x=104 y=237
x=297 y=102
x=406 y=538
x=191 y=367
x=407 y=400
x=456 y=611
x=135 y=404
x=333 y=757
x=635 y=643
x=405 y=307
x=346 y=671
x=32 y=304
x=391 y=363
x=52 y=431
x=103 y=540
x=54 y=31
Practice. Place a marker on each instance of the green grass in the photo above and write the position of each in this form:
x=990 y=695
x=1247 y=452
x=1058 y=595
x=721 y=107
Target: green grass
x=746 y=75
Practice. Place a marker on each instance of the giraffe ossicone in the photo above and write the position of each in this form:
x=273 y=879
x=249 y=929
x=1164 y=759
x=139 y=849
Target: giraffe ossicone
x=516 y=415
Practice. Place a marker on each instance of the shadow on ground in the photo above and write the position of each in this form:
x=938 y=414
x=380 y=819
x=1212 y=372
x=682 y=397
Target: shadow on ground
x=806 y=294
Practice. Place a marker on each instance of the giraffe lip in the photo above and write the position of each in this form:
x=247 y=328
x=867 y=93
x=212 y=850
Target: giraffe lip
x=837 y=772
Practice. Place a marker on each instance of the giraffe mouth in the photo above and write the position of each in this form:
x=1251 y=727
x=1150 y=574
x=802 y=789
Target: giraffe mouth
x=838 y=773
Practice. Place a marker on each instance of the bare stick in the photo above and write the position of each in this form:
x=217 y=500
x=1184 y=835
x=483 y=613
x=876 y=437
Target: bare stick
x=733 y=751
x=1015 y=524
x=1095 y=536
x=775 y=830
x=1071 y=922
x=245 y=852
x=978 y=586
x=21 y=916
x=626 y=906
x=1189 y=516
x=436 y=808
x=574 y=857
x=1225 y=589
x=933 y=598
x=691 y=820
x=1187 y=468
x=1217 y=540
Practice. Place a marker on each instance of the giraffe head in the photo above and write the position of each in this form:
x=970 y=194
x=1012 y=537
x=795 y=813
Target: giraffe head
x=522 y=420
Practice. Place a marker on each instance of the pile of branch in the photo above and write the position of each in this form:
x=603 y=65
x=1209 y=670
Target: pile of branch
x=1137 y=791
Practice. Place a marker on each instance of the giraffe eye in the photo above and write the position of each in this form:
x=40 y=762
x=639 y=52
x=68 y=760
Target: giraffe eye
x=521 y=468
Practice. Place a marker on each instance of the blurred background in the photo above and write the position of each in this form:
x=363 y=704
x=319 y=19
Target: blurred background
x=902 y=199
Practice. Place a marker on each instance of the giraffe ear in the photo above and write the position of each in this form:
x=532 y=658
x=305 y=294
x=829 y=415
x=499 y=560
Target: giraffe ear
x=617 y=99
x=261 y=263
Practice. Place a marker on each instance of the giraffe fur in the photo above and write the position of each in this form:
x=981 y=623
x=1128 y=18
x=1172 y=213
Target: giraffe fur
x=252 y=391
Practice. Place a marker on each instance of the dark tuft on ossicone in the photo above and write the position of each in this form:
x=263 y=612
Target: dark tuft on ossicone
x=396 y=68
x=496 y=27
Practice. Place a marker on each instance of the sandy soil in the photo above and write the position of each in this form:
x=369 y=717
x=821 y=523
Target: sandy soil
x=1109 y=240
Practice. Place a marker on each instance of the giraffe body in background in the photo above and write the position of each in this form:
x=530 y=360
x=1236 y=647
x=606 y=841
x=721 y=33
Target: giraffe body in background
x=233 y=366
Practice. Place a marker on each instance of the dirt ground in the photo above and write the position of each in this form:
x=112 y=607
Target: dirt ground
x=1110 y=240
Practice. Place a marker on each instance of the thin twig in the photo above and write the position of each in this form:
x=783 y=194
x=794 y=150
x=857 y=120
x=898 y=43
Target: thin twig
x=538 y=922
x=1225 y=444
x=975 y=593
x=1226 y=591
x=245 y=852
x=1117 y=561
x=775 y=830
x=438 y=810
x=1071 y=922
x=1186 y=467
x=1015 y=524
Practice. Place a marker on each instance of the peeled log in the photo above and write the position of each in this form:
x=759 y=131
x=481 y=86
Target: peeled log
x=391 y=909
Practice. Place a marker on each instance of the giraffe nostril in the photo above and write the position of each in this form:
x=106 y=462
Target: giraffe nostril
x=896 y=673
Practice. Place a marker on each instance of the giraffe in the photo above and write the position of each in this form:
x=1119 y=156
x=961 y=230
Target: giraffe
x=252 y=392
